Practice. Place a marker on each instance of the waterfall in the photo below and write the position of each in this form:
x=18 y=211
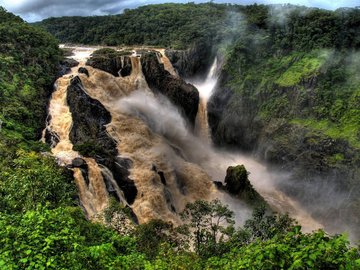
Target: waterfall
x=216 y=162
x=170 y=165
x=205 y=88
x=92 y=191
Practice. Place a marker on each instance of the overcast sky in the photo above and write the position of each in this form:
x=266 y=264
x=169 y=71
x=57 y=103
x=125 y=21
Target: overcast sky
x=35 y=10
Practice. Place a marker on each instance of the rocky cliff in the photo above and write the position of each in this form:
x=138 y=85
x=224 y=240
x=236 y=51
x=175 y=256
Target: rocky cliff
x=89 y=136
x=193 y=62
x=117 y=63
x=184 y=95
x=288 y=111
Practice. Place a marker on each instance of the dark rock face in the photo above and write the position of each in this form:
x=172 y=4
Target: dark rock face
x=65 y=66
x=126 y=68
x=89 y=120
x=84 y=71
x=191 y=62
x=79 y=163
x=115 y=63
x=238 y=184
x=51 y=138
x=69 y=62
x=89 y=137
x=82 y=165
x=182 y=94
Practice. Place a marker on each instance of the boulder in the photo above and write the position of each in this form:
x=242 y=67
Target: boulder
x=238 y=184
x=69 y=62
x=84 y=71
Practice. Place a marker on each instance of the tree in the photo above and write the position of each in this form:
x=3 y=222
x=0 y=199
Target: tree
x=209 y=223
x=33 y=179
x=264 y=227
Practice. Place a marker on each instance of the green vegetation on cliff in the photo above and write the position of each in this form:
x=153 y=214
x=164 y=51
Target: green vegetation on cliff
x=29 y=59
x=62 y=238
x=300 y=77
x=289 y=90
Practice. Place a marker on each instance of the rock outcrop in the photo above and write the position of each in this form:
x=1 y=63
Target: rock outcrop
x=111 y=61
x=89 y=136
x=238 y=184
x=184 y=95
x=193 y=62
x=65 y=65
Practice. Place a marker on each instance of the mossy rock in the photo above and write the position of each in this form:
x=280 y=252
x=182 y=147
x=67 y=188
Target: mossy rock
x=238 y=184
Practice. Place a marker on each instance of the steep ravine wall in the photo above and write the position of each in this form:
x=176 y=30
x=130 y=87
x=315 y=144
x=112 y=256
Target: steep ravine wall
x=324 y=174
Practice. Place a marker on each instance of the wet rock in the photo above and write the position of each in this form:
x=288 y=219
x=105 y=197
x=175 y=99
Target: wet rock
x=79 y=163
x=111 y=61
x=162 y=178
x=89 y=137
x=219 y=185
x=110 y=187
x=84 y=168
x=238 y=184
x=88 y=133
x=184 y=95
x=84 y=71
x=51 y=138
x=126 y=68
x=194 y=61
x=69 y=62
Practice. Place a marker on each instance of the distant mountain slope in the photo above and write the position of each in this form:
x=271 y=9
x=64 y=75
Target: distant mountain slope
x=169 y=25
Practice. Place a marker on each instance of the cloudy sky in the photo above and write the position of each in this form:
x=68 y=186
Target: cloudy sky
x=35 y=10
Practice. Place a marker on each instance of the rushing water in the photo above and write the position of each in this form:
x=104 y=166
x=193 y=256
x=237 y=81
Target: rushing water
x=264 y=181
x=153 y=134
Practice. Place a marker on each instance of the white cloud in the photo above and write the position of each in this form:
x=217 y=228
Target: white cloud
x=34 y=10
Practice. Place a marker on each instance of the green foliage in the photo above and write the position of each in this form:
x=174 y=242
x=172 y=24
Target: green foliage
x=90 y=148
x=169 y=25
x=282 y=65
x=33 y=179
x=298 y=70
x=180 y=25
x=210 y=224
x=264 y=227
x=28 y=65
x=293 y=250
x=154 y=236
x=62 y=239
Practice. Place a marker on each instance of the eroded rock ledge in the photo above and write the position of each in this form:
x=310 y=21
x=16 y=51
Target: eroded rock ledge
x=182 y=94
x=89 y=137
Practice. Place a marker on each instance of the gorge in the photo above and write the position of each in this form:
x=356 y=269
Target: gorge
x=181 y=136
x=168 y=165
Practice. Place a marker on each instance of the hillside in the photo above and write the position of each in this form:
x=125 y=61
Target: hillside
x=289 y=93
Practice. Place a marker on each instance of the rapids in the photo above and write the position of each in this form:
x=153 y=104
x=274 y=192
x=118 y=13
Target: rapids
x=171 y=165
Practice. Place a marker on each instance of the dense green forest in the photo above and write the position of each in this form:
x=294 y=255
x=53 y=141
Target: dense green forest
x=169 y=25
x=41 y=224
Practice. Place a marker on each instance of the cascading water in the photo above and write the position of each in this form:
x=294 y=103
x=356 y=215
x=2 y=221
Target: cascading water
x=261 y=178
x=205 y=90
x=170 y=165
